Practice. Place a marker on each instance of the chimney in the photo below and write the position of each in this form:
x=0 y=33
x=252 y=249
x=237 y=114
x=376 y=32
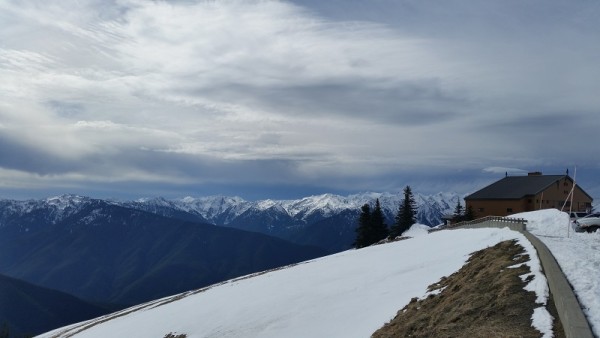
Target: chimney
x=534 y=173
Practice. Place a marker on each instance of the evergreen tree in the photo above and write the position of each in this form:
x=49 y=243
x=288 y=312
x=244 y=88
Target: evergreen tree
x=469 y=214
x=407 y=214
x=378 y=226
x=371 y=227
x=363 y=229
x=458 y=214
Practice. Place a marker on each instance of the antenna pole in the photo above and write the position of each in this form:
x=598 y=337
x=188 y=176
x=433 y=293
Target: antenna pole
x=571 y=204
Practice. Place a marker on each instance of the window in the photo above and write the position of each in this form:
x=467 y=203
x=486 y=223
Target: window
x=509 y=210
x=480 y=209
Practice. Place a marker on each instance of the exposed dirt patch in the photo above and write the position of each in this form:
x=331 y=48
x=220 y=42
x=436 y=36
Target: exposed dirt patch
x=485 y=298
x=174 y=335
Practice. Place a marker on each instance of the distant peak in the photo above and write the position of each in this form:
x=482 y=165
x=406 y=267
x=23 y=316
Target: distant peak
x=66 y=198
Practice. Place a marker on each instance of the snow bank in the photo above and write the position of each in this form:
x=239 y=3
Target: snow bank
x=350 y=294
x=578 y=255
x=548 y=223
x=417 y=230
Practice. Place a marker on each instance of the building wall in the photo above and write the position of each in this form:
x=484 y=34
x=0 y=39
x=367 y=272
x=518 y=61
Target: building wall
x=482 y=208
x=557 y=194
x=553 y=197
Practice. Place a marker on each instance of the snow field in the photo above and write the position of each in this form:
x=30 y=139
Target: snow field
x=350 y=294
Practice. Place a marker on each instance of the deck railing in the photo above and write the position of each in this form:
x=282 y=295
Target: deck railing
x=489 y=221
x=498 y=219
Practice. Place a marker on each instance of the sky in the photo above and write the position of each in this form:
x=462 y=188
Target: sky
x=285 y=99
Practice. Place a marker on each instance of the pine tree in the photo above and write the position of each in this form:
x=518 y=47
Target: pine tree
x=407 y=214
x=371 y=227
x=363 y=229
x=378 y=226
x=458 y=214
x=469 y=214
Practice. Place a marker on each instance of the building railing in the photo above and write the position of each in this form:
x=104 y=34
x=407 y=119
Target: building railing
x=488 y=221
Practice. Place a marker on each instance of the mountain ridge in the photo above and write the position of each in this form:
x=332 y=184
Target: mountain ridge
x=221 y=210
x=21 y=301
x=212 y=208
x=104 y=252
x=309 y=220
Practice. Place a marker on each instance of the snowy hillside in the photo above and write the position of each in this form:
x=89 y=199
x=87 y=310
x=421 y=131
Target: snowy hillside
x=350 y=294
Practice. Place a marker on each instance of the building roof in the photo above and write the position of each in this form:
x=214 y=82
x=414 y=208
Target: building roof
x=516 y=187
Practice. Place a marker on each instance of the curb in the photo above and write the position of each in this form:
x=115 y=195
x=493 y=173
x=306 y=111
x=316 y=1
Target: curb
x=569 y=310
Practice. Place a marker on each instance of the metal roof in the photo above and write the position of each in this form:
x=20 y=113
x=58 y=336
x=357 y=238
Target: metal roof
x=516 y=187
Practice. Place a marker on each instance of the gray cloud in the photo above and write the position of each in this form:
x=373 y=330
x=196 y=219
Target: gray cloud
x=347 y=95
x=28 y=158
x=66 y=109
x=417 y=103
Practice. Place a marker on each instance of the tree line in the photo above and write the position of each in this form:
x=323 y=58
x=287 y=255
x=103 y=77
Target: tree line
x=371 y=223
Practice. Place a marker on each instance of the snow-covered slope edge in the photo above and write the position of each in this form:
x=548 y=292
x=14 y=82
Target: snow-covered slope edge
x=326 y=297
x=578 y=255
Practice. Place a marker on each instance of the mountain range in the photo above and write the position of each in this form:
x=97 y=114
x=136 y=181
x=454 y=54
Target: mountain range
x=328 y=221
x=103 y=252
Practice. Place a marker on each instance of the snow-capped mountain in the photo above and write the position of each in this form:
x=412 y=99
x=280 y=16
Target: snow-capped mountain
x=310 y=220
x=218 y=210
x=221 y=210
x=34 y=213
x=328 y=221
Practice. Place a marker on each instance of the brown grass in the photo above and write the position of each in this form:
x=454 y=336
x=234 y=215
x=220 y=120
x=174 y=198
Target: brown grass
x=484 y=298
x=171 y=335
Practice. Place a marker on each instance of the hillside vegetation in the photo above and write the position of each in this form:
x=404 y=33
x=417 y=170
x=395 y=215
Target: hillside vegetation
x=485 y=298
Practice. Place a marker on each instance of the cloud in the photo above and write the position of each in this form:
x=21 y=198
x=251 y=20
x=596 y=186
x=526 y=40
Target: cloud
x=332 y=93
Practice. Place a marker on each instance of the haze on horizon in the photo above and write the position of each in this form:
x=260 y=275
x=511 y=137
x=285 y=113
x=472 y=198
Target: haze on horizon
x=283 y=99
